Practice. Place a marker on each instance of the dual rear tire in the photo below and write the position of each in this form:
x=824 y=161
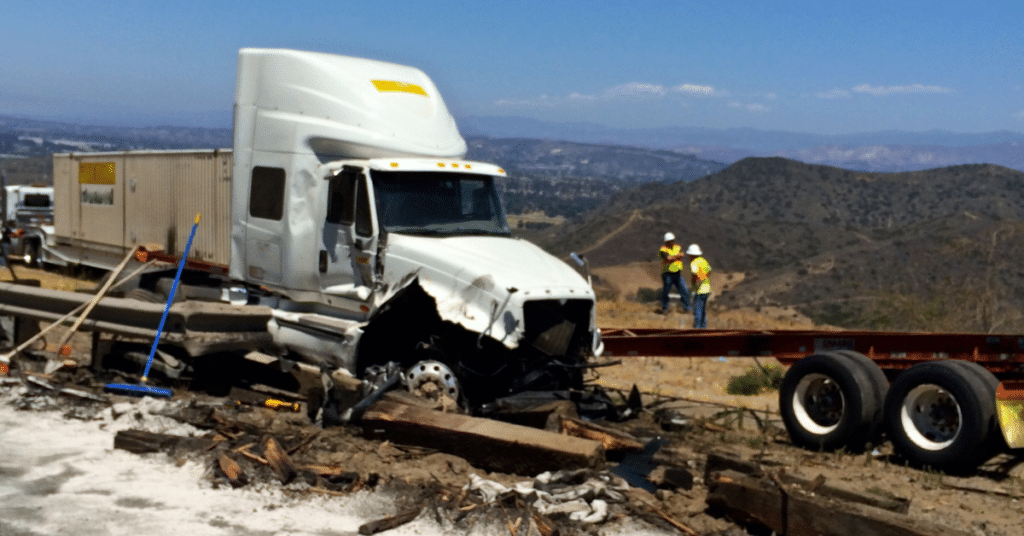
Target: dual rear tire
x=832 y=401
x=942 y=414
x=939 y=414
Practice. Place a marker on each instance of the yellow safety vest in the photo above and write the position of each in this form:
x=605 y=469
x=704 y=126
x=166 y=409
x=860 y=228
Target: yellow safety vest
x=700 y=282
x=670 y=266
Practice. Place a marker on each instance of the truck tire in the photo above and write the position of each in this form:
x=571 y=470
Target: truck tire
x=941 y=414
x=995 y=434
x=828 y=401
x=881 y=384
x=145 y=295
x=32 y=255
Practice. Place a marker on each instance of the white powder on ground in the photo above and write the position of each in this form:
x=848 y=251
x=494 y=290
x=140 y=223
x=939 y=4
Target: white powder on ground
x=63 y=476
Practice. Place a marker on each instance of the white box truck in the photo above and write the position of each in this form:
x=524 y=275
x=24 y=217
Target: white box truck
x=346 y=206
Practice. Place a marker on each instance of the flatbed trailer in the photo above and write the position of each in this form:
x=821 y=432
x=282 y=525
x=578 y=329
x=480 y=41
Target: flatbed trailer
x=892 y=351
x=945 y=400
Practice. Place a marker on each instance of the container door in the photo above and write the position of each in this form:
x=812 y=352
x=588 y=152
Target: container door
x=348 y=245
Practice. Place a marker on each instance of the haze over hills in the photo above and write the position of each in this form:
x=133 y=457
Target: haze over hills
x=887 y=151
x=557 y=178
x=937 y=249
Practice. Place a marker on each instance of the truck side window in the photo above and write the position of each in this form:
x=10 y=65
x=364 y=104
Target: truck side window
x=364 y=222
x=266 y=194
x=341 y=205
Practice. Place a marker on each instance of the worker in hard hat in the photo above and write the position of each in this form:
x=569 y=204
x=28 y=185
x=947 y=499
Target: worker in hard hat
x=671 y=273
x=700 y=285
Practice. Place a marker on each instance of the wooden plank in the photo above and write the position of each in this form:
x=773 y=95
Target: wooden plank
x=142 y=442
x=279 y=461
x=388 y=523
x=612 y=440
x=790 y=511
x=718 y=462
x=232 y=470
x=488 y=444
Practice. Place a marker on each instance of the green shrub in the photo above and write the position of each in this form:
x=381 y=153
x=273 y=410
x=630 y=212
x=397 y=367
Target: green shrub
x=646 y=295
x=756 y=381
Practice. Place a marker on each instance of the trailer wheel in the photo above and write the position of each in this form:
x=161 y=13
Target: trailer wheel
x=828 y=401
x=32 y=254
x=145 y=295
x=995 y=434
x=880 y=383
x=941 y=414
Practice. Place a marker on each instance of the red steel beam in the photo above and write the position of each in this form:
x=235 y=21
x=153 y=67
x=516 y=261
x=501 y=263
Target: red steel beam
x=998 y=353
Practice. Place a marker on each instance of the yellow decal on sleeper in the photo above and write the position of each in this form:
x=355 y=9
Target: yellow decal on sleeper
x=399 y=87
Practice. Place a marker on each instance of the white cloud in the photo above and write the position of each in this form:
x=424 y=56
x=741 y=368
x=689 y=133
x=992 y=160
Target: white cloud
x=634 y=89
x=754 y=108
x=834 y=94
x=695 y=90
x=630 y=91
x=1019 y=115
x=542 y=101
x=880 y=91
x=579 y=97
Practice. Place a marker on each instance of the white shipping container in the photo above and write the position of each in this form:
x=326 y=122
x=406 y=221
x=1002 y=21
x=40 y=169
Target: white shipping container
x=115 y=202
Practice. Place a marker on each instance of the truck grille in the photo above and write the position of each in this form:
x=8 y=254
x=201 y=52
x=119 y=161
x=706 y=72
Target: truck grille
x=557 y=327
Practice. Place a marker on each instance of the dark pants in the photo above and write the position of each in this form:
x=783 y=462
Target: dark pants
x=700 y=308
x=674 y=279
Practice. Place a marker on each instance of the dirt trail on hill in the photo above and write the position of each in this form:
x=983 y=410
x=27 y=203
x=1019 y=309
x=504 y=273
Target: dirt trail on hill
x=604 y=240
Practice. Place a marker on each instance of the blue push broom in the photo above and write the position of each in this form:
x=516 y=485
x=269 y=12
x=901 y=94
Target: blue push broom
x=142 y=389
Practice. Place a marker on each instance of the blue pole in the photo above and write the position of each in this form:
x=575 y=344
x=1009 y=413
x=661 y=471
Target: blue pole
x=170 y=299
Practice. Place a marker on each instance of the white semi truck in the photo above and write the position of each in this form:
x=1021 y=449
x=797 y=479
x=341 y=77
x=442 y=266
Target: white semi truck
x=345 y=206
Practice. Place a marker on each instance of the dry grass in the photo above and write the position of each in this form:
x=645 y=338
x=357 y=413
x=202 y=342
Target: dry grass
x=54 y=280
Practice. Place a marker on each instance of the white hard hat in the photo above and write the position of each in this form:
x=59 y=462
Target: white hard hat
x=669 y=236
x=694 y=249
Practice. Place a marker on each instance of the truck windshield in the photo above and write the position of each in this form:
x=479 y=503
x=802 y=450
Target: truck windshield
x=36 y=200
x=432 y=203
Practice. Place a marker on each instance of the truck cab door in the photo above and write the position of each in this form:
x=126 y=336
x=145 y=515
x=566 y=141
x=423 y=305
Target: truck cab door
x=348 y=246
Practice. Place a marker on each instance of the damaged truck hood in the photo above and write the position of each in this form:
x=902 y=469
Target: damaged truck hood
x=481 y=282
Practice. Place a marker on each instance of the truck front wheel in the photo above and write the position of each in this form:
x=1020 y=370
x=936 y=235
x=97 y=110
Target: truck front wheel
x=829 y=401
x=32 y=252
x=941 y=414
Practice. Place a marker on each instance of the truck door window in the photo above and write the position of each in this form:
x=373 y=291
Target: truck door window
x=266 y=193
x=364 y=220
x=341 y=205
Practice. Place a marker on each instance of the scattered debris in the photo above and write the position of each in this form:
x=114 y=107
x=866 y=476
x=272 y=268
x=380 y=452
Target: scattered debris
x=582 y=494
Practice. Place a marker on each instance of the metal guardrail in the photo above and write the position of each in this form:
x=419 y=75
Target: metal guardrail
x=198 y=327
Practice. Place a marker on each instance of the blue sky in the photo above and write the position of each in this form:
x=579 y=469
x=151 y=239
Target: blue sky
x=819 y=67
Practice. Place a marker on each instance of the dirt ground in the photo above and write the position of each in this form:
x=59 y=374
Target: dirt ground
x=707 y=420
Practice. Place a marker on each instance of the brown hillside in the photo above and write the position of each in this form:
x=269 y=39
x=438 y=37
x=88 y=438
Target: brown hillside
x=930 y=250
